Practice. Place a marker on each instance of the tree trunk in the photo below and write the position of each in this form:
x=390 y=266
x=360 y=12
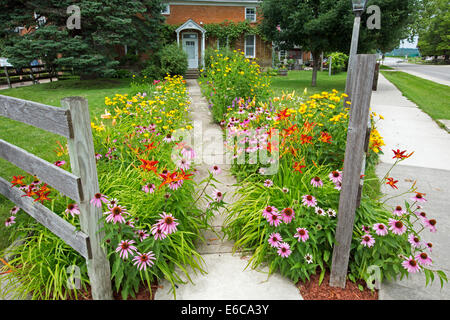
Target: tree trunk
x=316 y=61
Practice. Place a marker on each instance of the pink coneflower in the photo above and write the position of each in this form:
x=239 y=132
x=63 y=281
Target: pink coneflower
x=9 y=221
x=287 y=214
x=144 y=260
x=59 y=163
x=98 y=199
x=268 y=211
x=285 y=190
x=411 y=265
x=367 y=240
x=168 y=223
x=431 y=224
x=184 y=164
x=422 y=215
x=216 y=170
x=429 y=246
x=73 y=209
x=331 y=213
x=338 y=186
x=317 y=182
x=158 y=233
x=275 y=240
x=309 y=258
x=176 y=185
x=112 y=203
x=168 y=138
x=284 y=250
x=98 y=156
x=149 y=188
x=302 y=234
x=366 y=229
x=130 y=223
x=380 y=229
x=116 y=214
x=424 y=259
x=419 y=197
x=125 y=247
x=398 y=211
x=274 y=219
x=188 y=152
x=320 y=211
x=397 y=227
x=142 y=234
x=218 y=196
x=414 y=240
x=268 y=183
x=309 y=201
x=14 y=210
x=335 y=176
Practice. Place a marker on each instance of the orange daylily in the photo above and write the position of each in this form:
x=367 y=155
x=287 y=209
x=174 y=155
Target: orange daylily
x=401 y=154
x=392 y=183
x=283 y=115
x=325 y=137
x=306 y=139
x=17 y=180
x=298 y=167
x=148 y=165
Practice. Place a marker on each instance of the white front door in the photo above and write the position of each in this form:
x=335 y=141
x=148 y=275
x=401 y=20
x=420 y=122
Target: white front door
x=190 y=46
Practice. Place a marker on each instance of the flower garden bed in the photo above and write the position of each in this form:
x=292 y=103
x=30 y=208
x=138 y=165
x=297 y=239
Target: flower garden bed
x=151 y=221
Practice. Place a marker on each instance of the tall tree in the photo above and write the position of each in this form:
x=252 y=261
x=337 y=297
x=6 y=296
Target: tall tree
x=434 y=30
x=90 y=50
x=326 y=25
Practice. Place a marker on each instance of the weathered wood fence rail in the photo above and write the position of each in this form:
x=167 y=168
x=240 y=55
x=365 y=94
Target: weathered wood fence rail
x=11 y=75
x=81 y=185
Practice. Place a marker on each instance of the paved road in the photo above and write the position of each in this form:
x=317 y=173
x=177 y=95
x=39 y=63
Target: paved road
x=440 y=74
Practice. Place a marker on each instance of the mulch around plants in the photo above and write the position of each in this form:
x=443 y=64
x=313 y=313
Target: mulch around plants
x=311 y=290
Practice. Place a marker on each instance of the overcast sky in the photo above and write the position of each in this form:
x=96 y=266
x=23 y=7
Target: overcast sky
x=406 y=44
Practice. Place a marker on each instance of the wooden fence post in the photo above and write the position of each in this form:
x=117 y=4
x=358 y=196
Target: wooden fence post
x=7 y=77
x=362 y=81
x=82 y=159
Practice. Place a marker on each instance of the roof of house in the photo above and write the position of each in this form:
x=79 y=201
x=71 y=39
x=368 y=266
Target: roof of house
x=216 y=2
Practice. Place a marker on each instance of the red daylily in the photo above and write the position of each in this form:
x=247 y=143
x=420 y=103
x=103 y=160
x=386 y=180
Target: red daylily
x=298 y=167
x=308 y=126
x=291 y=130
x=325 y=137
x=17 y=181
x=149 y=147
x=401 y=154
x=282 y=115
x=392 y=182
x=306 y=139
x=148 y=165
x=42 y=197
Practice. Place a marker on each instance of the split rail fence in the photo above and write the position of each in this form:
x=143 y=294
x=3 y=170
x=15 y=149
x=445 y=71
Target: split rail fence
x=73 y=122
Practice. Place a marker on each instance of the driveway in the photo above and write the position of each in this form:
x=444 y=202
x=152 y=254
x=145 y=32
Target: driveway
x=439 y=74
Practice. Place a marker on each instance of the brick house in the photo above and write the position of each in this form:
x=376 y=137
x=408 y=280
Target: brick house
x=192 y=15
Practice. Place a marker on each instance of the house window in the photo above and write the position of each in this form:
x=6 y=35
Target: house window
x=222 y=43
x=250 y=46
x=166 y=9
x=250 y=14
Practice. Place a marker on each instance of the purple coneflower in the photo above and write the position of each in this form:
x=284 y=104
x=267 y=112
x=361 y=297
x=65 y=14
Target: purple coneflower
x=424 y=259
x=168 y=138
x=116 y=214
x=168 y=223
x=430 y=224
x=112 y=203
x=142 y=235
x=309 y=258
x=285 y=190
x=419 y=197
x=335 y=176
x=287 y=214
x=331 y=213
x=188 y=152
x=158 y=233
x=317 y=182
x=268 y=183
x=380 y=229
x=144 y=260
x=98 y=156
x=338 y=186
x=320 y=211
x=218 y=196
x=149 y=188
x=73 y=209
x=126 y=247
x=367 y=240
x=184 y=164
x=268 y=211
x=309 y=201
x=14 y=210
x=9 y=221
x=397 y=227
x=302 y=234
x=366 y=229
x=275 y=240
x=274 y=219
x=59 y=163
x=411 y=265
x=398 y=211
x=284 y=250
x=98 y=199
x=414 y=240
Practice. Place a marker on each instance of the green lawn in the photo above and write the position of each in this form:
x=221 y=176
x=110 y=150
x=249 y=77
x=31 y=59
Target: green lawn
x=433 y=98
x=299 y=80
x=40 y=142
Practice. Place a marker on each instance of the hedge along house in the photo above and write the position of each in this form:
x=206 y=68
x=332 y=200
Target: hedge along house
x=203 y=24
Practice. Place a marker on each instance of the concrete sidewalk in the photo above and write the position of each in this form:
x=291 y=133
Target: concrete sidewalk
x=406 y=127
x=226 y=278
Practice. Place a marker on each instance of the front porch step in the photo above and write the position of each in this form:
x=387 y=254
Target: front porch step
x=192 y=74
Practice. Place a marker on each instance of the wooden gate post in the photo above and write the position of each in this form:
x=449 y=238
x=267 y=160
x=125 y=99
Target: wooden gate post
x=362 y=80
x=82 y=160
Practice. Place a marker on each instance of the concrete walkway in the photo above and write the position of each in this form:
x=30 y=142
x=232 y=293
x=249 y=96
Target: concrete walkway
x=226 y=278
x=406 y=127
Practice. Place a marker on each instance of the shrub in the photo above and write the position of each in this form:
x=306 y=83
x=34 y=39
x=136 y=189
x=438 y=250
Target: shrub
x=174 y=60
x=339 y=62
